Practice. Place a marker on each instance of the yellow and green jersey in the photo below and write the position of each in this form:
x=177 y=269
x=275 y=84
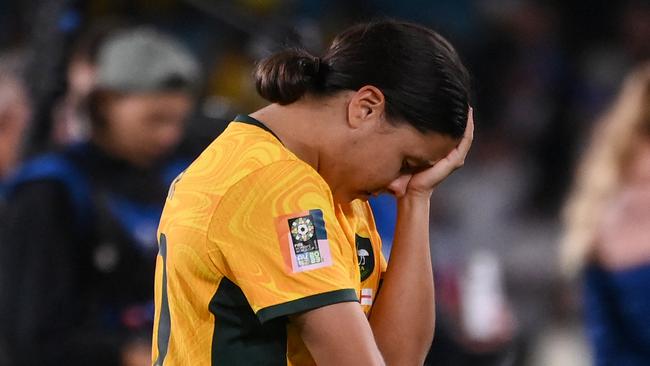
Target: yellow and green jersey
x=250 y=235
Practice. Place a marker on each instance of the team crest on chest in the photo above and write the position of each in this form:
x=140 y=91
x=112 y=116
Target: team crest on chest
x=365 y=256
x=303 y=241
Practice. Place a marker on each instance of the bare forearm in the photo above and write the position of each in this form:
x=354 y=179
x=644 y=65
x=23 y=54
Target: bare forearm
x=321 y=331
x=403 y=315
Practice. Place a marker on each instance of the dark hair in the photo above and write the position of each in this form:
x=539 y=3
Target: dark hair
x=422 y=78
x=94 y=105
x=87 y=45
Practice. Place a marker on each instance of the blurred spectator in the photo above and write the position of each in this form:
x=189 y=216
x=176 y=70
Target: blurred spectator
x=608 y=226
x=14 y=115
x=79 y=246
x=542 y=72
x=15 y=112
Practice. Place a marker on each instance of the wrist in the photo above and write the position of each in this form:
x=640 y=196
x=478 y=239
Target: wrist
x=414 y=200
x=417 y=195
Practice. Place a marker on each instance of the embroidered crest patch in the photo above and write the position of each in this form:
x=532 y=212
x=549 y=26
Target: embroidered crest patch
x=303 y=241
x=365 y=256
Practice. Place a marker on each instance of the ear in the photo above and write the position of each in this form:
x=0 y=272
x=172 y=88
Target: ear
x=367 y=105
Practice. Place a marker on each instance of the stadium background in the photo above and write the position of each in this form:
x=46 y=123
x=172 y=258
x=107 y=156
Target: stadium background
x=542 y=72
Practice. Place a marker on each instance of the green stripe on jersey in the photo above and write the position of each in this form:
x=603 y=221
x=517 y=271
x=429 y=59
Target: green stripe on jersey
x=307 y=303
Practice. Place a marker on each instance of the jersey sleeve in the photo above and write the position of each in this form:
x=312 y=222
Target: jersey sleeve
x=277 y=234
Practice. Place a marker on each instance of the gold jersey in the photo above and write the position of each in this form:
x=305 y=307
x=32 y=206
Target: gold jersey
x=250 y=235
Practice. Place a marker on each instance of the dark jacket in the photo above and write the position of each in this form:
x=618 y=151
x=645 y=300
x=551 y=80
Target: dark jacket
x=78 y=244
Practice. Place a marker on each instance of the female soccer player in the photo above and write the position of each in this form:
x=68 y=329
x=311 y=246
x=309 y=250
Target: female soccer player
x=269 y=254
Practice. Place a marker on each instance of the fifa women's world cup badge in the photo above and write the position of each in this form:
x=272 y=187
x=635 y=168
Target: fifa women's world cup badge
x=305 y=244
x=303 y=241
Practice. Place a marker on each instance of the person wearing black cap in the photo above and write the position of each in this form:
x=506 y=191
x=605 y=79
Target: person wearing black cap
x=79 y=248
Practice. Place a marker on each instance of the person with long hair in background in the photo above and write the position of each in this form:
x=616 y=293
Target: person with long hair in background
x=607 y=228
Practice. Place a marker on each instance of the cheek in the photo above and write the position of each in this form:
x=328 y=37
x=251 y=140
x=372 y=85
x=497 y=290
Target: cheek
x=167 y=134
x=135 y=130
x=130 y=129
x=379 y=173
x=378 y=166
x=122 y=117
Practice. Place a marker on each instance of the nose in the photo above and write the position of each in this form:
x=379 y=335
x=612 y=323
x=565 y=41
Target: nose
x=398 y=186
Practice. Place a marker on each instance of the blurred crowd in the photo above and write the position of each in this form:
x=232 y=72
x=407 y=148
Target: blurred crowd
x=103 y=103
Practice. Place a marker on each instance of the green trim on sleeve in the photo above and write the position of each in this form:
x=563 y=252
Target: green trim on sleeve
x=307 y=303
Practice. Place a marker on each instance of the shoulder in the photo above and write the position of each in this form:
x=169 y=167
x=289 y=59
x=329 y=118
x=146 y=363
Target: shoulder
x=246 y=157
x=52 y=167
x=282 y=181
x=244 y=140
x=241 y=150
x=271 y=195
x=53 y=177
x=222 y=192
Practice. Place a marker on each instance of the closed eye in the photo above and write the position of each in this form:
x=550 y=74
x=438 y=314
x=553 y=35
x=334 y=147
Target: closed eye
x=414 y=167
x=406 y=167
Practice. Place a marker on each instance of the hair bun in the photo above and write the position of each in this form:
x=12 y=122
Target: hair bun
x=286 y=76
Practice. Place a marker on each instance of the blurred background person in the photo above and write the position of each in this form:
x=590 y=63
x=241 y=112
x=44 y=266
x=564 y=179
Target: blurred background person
x=79 y=238
x=608 y=228
x=540 y=83
x=15 y=111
